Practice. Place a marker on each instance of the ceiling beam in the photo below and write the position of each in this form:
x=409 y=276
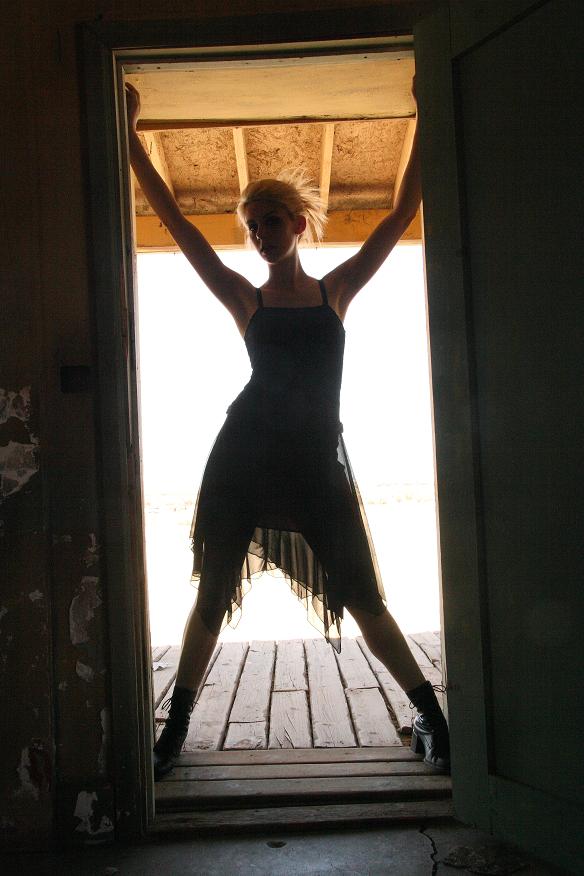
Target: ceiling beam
x=241 y=157
x=187 y=124
x=155 y=150
x=404 y=157
x=326 y=161
x=223 y=231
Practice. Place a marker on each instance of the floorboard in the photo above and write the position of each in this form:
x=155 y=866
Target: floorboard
x=303 y=818
x=200 y=793
x=355 y=672
x=290 y=720
x=208 y=724
x=246 y=735
x=163 y=678
x=372 y=722
x=293 y=733
x=290 y=673
x=398 y=702
x=301 y=770
x=331 y=720
x=306 y=755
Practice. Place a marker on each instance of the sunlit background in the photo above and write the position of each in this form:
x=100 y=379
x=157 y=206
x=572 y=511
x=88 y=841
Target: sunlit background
x=193 y=363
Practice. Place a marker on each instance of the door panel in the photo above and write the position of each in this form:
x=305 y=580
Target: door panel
x=471 y=21
x=524 y=244
x=502 y=158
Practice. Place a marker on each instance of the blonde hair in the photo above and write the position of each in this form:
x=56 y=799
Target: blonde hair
x=294 y=191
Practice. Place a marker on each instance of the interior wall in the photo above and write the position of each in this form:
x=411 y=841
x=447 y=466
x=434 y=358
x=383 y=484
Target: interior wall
x=56 y=781
x=54 y=659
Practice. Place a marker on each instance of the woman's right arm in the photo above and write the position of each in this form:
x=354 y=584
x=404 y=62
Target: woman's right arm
x=231 y=288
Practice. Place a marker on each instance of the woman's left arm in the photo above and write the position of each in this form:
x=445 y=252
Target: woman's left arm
x=349 y=277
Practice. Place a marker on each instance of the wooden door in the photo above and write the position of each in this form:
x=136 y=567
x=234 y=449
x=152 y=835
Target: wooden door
x=500 y=107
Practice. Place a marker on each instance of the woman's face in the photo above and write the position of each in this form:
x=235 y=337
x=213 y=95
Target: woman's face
x=272 y=230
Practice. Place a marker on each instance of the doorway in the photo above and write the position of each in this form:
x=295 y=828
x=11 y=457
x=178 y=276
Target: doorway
x=358 y=163
x=122 y=362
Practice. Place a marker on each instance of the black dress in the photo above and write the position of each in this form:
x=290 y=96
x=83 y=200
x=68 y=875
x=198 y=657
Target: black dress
x=278 y=490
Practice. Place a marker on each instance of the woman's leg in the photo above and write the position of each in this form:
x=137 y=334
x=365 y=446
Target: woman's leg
x=198 y=645
x=387 y=642
x=222 y=564
x=220 y=576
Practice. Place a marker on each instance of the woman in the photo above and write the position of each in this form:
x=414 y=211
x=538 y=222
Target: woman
x=278 y=490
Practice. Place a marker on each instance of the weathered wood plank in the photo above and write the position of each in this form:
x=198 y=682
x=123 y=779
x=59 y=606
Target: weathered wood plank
x=230 y=660
x=300 y=771
x=305 y=817
x=430 y=646
x=209 y=718
x=162 y=679
x=175 y=794
x=422 y=659
x=290 y=720
x=162 y=714
x=298 y=755
x=331 y=722
x=246 y=736
x=371 y=720
x=355 y=671
x=252 y=701
x=290 y=671
x=395 y=696
x=393 y=693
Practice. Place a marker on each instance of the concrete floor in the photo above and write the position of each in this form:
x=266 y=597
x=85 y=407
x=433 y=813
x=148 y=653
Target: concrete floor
x=412 y=850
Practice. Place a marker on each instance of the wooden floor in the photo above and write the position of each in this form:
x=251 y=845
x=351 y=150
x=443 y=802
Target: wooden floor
x=292 y=732
x=296 y=694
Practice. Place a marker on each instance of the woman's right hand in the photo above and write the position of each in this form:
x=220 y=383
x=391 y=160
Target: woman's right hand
x=132 y=105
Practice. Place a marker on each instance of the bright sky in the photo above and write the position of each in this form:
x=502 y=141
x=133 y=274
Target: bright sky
x=193 y=363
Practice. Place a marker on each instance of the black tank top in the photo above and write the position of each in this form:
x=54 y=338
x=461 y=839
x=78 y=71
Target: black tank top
x=296 y=354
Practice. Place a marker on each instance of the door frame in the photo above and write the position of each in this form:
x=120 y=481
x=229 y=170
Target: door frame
x=103 y=49
x=465 y=626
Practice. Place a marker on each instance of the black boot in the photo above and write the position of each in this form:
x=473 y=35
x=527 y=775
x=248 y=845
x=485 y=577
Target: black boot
x=430 y=730
x=170 y=743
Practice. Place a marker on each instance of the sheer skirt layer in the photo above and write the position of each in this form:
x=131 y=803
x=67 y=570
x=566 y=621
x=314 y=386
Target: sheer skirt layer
x=272 y=500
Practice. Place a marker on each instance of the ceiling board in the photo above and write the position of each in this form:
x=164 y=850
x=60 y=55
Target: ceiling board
x=333 y=87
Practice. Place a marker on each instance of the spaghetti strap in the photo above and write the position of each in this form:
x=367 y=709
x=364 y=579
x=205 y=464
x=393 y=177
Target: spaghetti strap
x=323 y=292
x=259 y=297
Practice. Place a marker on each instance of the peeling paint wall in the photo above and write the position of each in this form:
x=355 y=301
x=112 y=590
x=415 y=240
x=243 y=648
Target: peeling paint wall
x=26 y=727
x=18 y=446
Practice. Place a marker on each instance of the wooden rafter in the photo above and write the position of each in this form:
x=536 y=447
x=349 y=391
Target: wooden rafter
x=241 y=157
x=144 y=125
x=223 y=231
x=326 y=160
x=404 y=157
x=155 y=150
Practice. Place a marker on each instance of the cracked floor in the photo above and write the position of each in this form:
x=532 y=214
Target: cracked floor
x=405 y=850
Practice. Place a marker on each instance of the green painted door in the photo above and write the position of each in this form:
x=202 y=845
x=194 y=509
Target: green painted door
x=500 y=116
